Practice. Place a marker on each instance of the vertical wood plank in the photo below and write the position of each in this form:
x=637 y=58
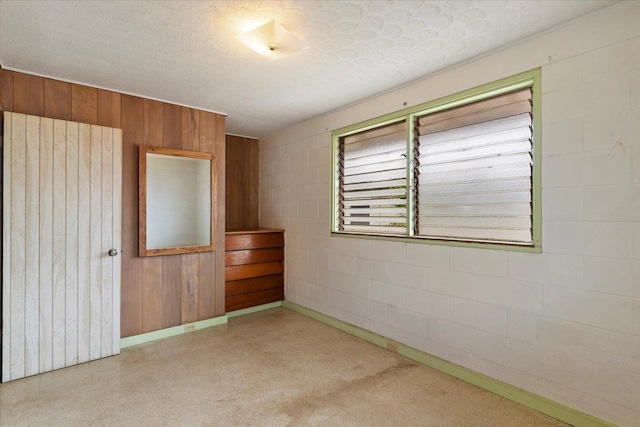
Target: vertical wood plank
x=207 y=260
x=172 y=126
x=190 y=129
x=117 y=243
x=46 y=245
x=152 y=266
x=28 y=94
x=109 y=109
x=59 y=241
x=190 y=288
x=84 y=242
x=107 y=241
x=32 y=248
x=251 y=182
x=18 y=129
x=6 y=90
x=219 y=217
x=95 y=276
x=171 y=290
x=242 y=182
x=71 y=246
x=132 y=266
x=232 y=183
x=206 y=285
x=253 y=177
x=153 y=129
x=84 y=104
x=57 y=99
x=6 y=245
x=152 y=294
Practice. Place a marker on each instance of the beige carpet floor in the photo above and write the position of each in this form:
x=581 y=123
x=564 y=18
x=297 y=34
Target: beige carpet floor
x=272 y=368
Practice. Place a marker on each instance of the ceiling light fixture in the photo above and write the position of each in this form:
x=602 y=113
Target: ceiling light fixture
x=272 y=40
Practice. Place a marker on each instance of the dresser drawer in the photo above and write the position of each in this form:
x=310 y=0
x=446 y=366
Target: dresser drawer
x=237 y=287
x=253 y=256
x=253 y=241
x=254 y=268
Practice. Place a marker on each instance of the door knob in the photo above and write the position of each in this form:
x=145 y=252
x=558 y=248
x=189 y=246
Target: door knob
x=113 y=252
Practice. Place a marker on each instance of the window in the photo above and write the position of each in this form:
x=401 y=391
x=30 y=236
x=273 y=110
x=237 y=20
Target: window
x=462 y=169
x=373 y=180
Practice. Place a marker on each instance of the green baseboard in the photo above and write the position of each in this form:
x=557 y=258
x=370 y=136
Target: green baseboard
x=170 y=332
x=538 y=403
x=249 y=310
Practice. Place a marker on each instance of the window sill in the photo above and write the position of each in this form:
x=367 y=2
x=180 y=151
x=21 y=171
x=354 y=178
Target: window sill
x=443 y=242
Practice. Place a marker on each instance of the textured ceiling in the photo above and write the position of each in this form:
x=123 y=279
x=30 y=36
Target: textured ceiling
x=186 y=52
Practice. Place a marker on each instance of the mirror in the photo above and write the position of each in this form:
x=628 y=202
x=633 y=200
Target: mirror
x=176 y=206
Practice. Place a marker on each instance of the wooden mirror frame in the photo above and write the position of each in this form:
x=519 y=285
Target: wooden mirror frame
x=143 y=251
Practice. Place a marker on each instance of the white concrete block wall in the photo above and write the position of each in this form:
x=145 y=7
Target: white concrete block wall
x=564 y=324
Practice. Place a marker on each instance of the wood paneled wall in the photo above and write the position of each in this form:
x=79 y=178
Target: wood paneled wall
x=157 y=292
x=242 y=182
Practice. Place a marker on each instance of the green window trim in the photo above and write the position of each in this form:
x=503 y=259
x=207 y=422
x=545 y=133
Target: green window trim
x=531 y=79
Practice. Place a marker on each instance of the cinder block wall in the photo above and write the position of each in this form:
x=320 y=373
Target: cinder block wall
x=565 y=323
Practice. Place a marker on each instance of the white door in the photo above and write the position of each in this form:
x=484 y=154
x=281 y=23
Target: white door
x=61 y=220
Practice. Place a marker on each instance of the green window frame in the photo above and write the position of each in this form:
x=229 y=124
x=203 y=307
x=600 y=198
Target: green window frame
x=531 y=79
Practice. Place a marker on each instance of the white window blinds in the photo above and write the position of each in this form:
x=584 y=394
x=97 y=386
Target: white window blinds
x=372 y=187
x=473 y=169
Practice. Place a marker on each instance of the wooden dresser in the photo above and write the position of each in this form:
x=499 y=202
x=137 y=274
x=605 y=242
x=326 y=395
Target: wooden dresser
x=254 y=267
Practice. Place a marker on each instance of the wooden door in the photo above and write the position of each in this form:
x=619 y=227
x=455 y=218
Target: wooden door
x=61 y=218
